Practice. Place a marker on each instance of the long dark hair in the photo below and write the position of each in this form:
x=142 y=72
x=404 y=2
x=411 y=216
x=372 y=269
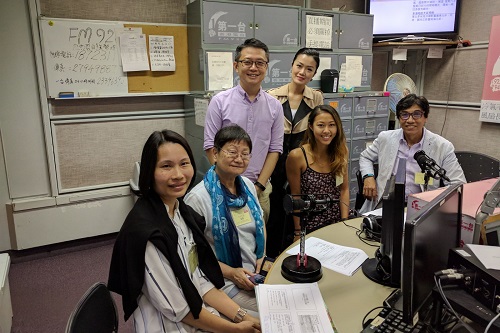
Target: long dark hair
x=337 y=149
x=149 y=157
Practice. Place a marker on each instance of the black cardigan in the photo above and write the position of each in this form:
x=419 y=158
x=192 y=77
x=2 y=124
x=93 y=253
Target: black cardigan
x=149 y=221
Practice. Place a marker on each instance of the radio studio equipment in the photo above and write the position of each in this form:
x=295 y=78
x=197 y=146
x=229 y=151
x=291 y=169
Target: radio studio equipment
x=479 y=281
x=429 y=167
x=303 y=268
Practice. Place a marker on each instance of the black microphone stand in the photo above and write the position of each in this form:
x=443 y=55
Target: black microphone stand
x=427 y=176
x=302 y=268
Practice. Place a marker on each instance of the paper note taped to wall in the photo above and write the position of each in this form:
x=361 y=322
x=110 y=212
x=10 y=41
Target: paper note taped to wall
x=200 y=111
x=161 y=53
x=133 y=52
x=399 y=54
x=435 y=53
x=220 y=70
x=324 y=63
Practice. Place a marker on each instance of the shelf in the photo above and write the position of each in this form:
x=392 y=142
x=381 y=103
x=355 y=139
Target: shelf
x=416 y=44
x=127 y=95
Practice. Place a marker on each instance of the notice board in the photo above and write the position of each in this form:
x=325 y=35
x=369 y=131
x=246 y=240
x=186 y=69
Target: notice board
x=84 y=55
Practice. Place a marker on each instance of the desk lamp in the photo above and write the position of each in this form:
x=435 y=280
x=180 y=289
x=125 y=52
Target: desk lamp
x=303 y=268
x=490 y=202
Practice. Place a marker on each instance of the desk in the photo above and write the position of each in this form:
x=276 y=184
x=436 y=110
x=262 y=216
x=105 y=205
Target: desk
x=348 y=298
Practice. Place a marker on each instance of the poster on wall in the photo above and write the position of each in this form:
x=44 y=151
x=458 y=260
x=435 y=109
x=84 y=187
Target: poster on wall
x=490 y=101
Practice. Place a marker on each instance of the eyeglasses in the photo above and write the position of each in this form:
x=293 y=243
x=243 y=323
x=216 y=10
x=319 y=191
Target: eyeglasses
x=249 y=63
x=415 y=115
x=234 y=154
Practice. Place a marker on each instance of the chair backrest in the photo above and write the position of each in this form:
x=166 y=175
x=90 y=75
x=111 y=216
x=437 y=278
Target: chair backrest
x=95 y=312
x=360 y=198
x=477 y=166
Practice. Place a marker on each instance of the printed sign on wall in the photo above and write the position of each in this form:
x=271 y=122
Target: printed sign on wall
x=490 y=102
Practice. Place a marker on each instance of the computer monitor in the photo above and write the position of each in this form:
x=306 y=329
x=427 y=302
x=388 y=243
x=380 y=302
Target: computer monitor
x=435 y=19
x=428 y=236
x=385 y=268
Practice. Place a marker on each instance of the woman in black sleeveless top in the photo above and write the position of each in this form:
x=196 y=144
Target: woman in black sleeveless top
x=319 y=166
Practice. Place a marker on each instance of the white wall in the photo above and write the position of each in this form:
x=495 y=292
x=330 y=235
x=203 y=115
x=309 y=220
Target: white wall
x=23 y=150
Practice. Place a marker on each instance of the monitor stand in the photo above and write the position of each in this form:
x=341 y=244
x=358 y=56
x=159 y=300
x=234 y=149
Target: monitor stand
x=395 y=300
x=372 y=271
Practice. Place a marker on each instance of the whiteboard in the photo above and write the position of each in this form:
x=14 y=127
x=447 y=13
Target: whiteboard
x=82 y=56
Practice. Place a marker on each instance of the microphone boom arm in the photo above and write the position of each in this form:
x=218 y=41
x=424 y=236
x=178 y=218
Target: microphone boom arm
x=490 y=202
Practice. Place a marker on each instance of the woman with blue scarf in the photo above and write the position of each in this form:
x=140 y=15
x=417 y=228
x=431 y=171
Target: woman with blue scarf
x=235 y=226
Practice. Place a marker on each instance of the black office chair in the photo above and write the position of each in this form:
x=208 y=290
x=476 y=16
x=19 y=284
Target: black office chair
x=95 y=312
x=477 y=166
x=360 y=198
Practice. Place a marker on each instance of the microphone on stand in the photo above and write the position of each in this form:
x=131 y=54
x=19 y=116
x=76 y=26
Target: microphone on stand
x=427 y=164
x=302 y=268
x=307 y=202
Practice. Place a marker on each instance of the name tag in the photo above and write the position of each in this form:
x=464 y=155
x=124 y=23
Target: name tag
x=419 y=179
x=241 y=216
x=193 y=258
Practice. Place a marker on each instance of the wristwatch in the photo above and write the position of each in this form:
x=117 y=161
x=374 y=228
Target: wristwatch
x=260 y=186
x=368 y=175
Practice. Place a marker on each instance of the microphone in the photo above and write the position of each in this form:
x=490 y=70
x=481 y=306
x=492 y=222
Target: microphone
x=307 y=202
x=428 y=164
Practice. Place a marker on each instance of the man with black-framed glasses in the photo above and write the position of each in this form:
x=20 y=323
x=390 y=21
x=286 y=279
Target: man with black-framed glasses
x=257 y=112
x=390 y=146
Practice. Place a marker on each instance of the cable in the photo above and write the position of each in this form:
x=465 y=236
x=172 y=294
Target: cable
x=359 y=232
x=441 y=292
x=366 y=240
x=378 y=307
x=491 y=323
x=350 y=226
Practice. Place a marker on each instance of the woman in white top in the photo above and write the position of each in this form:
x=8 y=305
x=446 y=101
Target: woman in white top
x=161 y=263
x=235 y=227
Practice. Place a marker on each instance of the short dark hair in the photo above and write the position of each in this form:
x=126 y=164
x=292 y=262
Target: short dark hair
x=149 y=157
x=251 y=42
x=309 y=52
x=409 y=100
x=229 y=134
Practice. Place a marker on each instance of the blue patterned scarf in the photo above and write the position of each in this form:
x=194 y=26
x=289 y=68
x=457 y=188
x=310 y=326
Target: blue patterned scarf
x=225 y=232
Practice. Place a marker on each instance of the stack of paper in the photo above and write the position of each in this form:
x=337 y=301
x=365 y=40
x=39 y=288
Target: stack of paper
x=292 y=308
x=341 y=259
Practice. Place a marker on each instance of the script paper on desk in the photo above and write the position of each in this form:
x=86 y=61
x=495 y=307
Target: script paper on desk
x=292 y=308
x=341 y=259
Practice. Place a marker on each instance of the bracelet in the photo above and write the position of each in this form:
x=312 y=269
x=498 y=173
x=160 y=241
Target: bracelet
x=238 y=317
x=368 y=175
x=260 y=186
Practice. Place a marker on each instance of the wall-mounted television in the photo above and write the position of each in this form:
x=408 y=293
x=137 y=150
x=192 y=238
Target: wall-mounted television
x=401 y=18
